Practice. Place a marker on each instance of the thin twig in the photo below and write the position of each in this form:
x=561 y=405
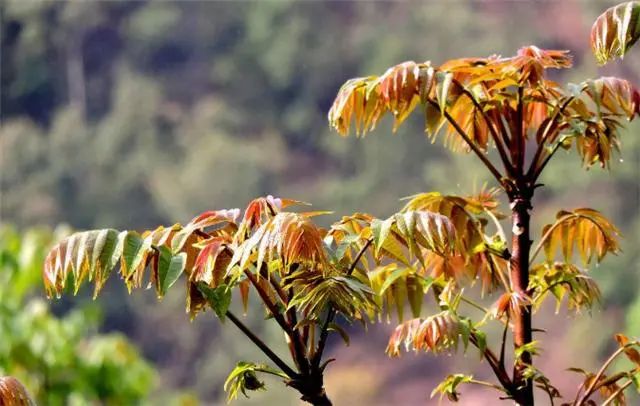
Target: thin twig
x=471 y=145
x=495 y=365
x=546 y=236
x=496 y=138
x=613 y=379
x=269 y=304
x=488 y=384
x=591 y=388
x=546 y=134
x=474 y=305
x=504 y=341
x=359 y=256
x=536 y=175
x=263 y=347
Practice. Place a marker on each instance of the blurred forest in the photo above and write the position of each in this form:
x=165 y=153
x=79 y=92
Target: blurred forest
x=131 y=114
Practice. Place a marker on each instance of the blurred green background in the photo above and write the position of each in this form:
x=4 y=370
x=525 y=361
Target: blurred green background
x=131 y=114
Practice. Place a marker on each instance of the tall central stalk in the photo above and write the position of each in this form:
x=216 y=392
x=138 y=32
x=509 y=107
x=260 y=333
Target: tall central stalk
x=522 y=334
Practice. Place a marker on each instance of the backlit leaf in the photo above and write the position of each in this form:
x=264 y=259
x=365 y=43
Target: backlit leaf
x=615 y=30
x=437 y=333
x=583 y=230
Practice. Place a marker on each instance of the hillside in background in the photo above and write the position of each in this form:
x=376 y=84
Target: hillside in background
x=134 y=114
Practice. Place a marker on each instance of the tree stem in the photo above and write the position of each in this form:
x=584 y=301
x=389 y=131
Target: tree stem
x=522 y=330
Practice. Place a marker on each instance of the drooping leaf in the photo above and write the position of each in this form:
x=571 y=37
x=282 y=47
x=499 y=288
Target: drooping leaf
x=473 y=95
x=585 y=231
x=442 y=89
x=417 y=231
x=343 y=333
x=615 y=30
x=13 y=393
x=94 y=254
x=315 y=293
x=99 y=253
x=396 y=286
x=563 y=280
x=594 y=117
x=135 y=252
x=473 y=249
x=437 y=333
x=510 y=304
x=613 y=96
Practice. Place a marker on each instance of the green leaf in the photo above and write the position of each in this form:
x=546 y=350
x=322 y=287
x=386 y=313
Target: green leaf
x=465 y=331
x=381 y=230
x=415 y=293
x=635 y=378
x=449 y=386
x=344 y=245
x=134 y=252
x=531 y=348
x=106 y=252
x=170 y=267
x=243 y=377
x=219 y=298
x=481 y=339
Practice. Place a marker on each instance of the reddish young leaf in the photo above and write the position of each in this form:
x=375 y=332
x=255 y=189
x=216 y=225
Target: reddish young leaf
x=615 y=30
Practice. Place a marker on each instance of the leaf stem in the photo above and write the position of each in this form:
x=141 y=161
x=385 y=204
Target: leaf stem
x=592 y=386
x=496 y=139
x=537 y=173
x=474 y=304
x=488 y=384
x=543 y=139
x=615 y=394
x=519 y=139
